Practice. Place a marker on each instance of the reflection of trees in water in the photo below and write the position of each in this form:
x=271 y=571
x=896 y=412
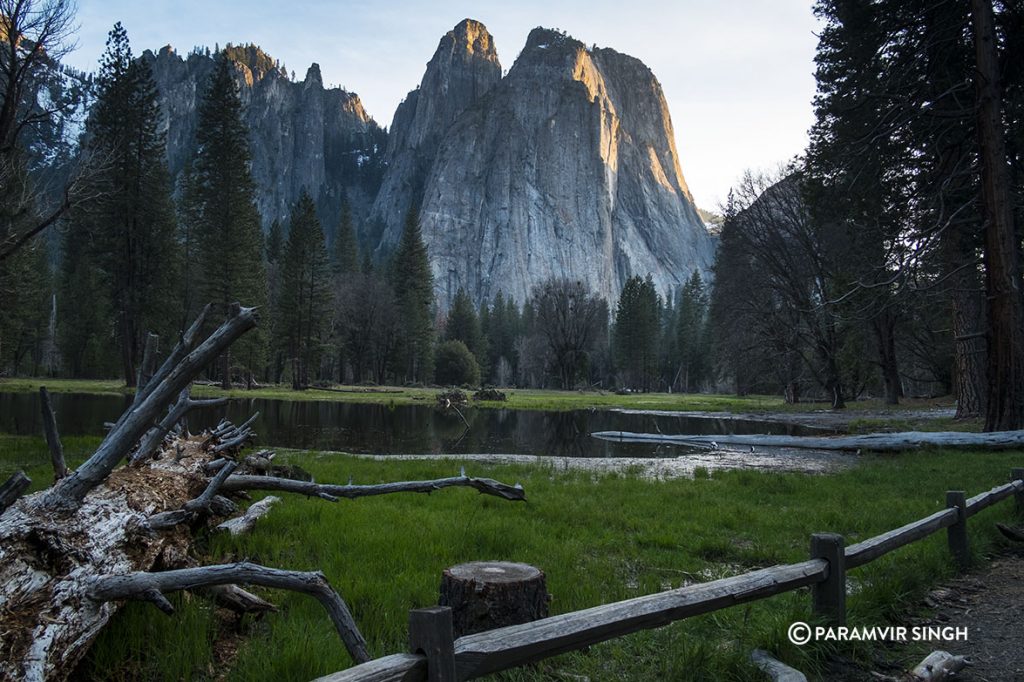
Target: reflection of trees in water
x=385 y=429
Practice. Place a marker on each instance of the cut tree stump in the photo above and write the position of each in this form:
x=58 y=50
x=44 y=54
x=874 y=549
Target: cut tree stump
x=484 y=595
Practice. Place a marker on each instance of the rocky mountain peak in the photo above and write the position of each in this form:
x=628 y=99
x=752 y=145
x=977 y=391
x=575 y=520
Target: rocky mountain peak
x=464 y=67
x=313 y=77
x=568 y=168
x=473 y=37
x=302 y=135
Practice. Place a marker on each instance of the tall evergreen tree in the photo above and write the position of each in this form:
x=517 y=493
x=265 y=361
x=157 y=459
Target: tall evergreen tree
x=345 y=250
x=25 y=303
x=463 y=324
x=83 y=334
x=637 y=331
x=414 y=291
x=133 y=226
x=303 y=305
x=692 y=343
x=227 y=229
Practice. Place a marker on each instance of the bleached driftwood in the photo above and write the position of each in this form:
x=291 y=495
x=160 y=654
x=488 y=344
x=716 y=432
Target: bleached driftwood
x=878 y=442
x=775 y=669
x=938 y=666
x=247 y=521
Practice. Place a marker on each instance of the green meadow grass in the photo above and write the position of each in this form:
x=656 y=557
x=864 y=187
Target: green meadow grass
x=521 y=399
x=599 y=538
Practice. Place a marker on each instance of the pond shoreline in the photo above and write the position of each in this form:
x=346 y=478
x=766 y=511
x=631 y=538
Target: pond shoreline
x=651 y=468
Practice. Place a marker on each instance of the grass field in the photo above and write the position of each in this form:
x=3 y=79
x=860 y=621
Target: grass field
x=523 y=399
x=598 y=538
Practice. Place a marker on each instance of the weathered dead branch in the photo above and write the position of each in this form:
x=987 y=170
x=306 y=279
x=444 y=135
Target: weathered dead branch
x=331 y=492
x=13 y=488
x=70 y=491
x=152 y=587
x=247 y=521
x=60 y=469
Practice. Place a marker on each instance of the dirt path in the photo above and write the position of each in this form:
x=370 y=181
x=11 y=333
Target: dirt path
x=990 y=603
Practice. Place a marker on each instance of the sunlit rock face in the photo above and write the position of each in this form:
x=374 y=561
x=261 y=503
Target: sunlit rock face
x=566 y=167
x=464 y=67
x=302 y=135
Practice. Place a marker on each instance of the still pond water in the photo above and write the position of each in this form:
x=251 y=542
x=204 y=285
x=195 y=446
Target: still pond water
x=407 y=429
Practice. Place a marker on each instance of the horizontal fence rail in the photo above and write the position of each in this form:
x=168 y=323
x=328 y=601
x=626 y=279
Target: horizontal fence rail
x=488 y=652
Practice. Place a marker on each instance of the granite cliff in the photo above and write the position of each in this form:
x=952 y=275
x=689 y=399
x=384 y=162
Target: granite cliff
x=302 y=135
x=565 y=167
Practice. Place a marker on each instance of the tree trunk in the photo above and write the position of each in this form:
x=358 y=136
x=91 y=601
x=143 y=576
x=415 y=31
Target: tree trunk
x=485 y=595
x=884 y=326
x=1005 y=409
x=47 y=556
x=969 y=352
x=225 y=370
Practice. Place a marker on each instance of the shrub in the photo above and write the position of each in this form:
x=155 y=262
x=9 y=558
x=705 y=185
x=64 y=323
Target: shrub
x=454 y=365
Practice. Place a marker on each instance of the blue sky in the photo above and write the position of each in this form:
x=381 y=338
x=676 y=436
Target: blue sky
x=738 y=75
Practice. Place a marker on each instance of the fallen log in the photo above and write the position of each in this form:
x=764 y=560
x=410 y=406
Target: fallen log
x=776 y=670
x=98 y=533
x=876 y=442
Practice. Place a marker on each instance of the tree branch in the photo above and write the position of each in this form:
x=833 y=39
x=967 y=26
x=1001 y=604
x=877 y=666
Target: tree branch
x=152 y=586
x=72 y=489
x=60 y=468
x=14 y=488
x=329 y=492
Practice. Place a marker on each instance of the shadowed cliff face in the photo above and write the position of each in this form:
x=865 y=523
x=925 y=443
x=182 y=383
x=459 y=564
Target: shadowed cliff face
x=302 y=135
x=464 y=67
x=567 y=167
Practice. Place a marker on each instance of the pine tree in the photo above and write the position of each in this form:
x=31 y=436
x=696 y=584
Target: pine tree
x=303 y=305
x=133 y=227
x=25 y=290
x=345 y=250
x=227 y=229
x=637 y=330
x=414 y=291
x=463 y=324
x=691 y=333
x=274 y=243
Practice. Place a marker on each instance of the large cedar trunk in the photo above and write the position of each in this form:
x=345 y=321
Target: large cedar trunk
x=1005 y=409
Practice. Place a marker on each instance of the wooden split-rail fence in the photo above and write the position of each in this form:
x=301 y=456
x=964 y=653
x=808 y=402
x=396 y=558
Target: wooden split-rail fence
x=439 y=657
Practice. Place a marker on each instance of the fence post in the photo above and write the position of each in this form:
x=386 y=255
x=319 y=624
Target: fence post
x=430 y=631
x=957 y=533
x=1018 y=475
x=828 y=598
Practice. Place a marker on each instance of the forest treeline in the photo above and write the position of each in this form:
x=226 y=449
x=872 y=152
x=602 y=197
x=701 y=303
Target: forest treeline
x=143 y=256
x=883 y=261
